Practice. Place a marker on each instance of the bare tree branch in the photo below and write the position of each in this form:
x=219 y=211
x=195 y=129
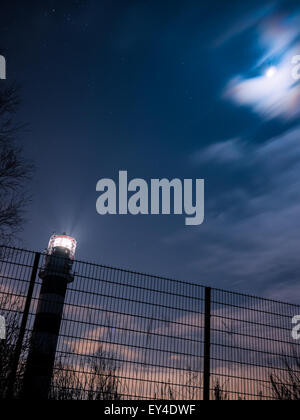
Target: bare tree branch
x=15 y=170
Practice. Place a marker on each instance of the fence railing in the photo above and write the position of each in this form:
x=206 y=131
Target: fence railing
x=127 y=335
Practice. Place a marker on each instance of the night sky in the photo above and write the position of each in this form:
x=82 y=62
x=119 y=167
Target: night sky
x=174 y=89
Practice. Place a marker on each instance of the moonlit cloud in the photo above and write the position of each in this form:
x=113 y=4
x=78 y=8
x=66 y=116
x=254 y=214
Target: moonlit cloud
x=272 y=92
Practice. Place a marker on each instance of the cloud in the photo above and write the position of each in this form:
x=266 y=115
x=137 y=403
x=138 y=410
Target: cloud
x=222 y=152
x=278 y=33
x=277 y=96
x=285 y=292
x=244 y=24
x=250 y=239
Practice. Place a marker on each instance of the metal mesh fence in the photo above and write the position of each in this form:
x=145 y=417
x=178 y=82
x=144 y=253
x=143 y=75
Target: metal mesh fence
x=127 y=335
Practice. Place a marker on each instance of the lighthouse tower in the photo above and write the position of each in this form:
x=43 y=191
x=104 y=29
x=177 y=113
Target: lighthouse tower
x=55 y=275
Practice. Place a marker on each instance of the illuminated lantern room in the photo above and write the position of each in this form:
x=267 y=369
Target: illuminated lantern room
x=62 y=244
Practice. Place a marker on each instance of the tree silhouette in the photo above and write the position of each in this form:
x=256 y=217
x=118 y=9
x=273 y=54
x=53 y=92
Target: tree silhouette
x=11 y=309
x=15 y=170
x=287 y=386
x=94 y=378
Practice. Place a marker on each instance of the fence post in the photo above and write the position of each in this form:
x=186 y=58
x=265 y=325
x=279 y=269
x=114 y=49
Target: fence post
x=19 y=343
x=206 y=362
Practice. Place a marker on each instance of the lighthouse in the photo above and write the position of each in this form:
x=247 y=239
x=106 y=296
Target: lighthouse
x=55 y=275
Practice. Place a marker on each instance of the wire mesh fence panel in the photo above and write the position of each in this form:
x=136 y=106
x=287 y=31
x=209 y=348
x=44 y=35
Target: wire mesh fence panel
x=127 y=335
x=15 y=273
x=142 y=332
x=252 y=346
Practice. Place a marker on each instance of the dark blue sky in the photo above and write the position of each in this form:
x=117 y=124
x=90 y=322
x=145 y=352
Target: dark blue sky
x=164 y=89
